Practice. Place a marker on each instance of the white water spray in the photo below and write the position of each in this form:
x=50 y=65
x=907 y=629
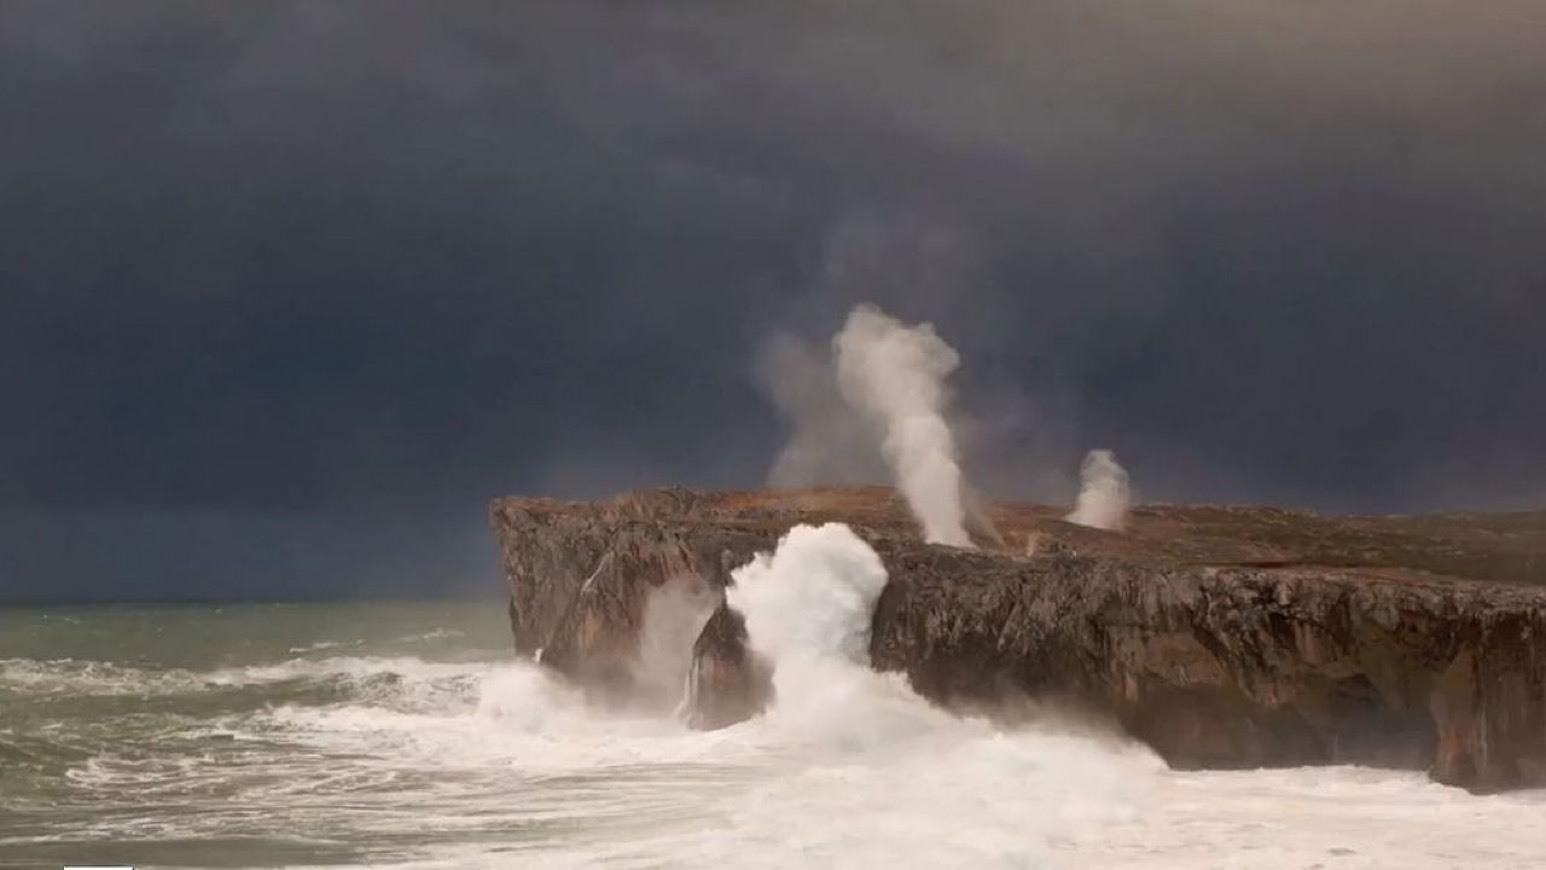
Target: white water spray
x=1104 y=494
x=674 y=615
x=812 y=599
x=895 y=374
x=809 y=606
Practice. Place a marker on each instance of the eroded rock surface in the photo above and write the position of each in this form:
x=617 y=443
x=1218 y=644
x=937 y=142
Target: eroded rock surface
x=727 y=682
x=1222 y=637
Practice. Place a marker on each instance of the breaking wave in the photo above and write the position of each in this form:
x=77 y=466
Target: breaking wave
x=374 y=760
x=394 y=683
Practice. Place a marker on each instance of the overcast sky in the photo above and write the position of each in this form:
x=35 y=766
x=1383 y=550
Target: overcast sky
x=293 y=289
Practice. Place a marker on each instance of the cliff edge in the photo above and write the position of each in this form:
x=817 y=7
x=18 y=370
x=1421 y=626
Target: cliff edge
x=1222 y=637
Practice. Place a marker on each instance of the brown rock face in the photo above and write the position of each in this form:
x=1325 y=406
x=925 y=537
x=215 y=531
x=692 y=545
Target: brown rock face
x=582 y=578
x=727 y=683
x=1222 y=637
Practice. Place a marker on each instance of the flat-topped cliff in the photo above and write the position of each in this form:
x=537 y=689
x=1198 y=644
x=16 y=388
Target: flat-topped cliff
x=1220 y=636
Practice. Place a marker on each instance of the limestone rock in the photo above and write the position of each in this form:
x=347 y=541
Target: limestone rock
x=1222 y=637
x=728 y=682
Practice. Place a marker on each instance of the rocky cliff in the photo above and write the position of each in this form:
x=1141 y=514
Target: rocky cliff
x=1222 y=637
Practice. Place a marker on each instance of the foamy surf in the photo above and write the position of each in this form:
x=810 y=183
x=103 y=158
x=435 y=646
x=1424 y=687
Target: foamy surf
x=466 y=759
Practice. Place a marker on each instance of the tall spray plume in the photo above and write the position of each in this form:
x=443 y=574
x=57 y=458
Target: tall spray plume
x=813 y=597
x=810 y=607
x=1104 y=494
x=895 y=375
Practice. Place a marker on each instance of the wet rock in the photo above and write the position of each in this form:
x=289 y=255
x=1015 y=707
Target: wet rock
x=728 y=683
x=1222 y=637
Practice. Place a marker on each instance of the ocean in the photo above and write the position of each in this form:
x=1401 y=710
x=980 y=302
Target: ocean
x=407 y=735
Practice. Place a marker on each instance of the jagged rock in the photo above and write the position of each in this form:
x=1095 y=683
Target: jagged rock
x=728 y=683
x=1222 y=637
x=580 y=579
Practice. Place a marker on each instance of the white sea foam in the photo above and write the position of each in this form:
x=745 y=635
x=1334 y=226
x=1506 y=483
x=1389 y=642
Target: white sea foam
x=330 y=644
x=850 y=768
x=855 y=773
x=112 y=678
x=808 y=608
x=496 y=764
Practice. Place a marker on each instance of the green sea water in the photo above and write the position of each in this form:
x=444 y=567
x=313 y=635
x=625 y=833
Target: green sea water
x=155 y=734
x=408 y=735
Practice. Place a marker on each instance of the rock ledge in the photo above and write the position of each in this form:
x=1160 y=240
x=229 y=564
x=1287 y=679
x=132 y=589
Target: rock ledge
x=1223 y=637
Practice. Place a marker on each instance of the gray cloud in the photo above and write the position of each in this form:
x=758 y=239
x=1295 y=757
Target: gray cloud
x=314 y=256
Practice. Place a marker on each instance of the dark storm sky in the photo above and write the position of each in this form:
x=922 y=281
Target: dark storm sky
x=291 y=289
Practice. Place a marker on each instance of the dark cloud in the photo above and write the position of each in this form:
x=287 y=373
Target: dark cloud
x=323 y=258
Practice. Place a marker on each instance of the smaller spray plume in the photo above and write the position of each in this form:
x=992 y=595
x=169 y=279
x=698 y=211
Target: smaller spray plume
x=1104 y=494
x=895 y=374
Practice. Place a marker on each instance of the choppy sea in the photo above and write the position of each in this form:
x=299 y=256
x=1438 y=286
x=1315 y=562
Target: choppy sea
x=407 y=735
